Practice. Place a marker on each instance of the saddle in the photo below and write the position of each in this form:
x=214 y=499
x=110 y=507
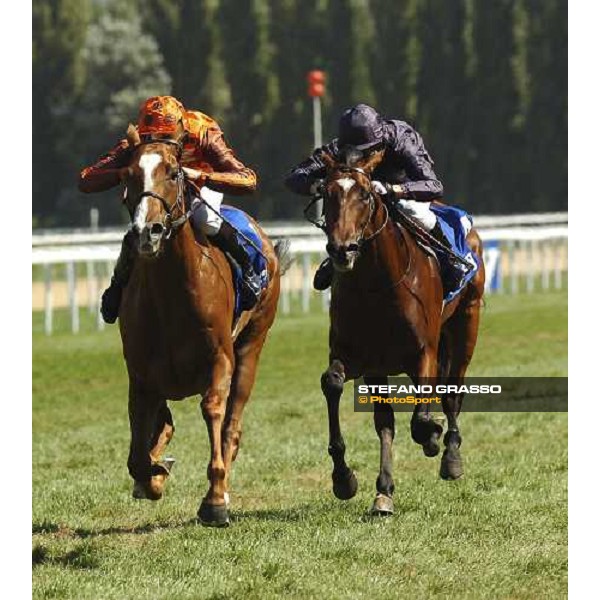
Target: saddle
x=457 y=263
x=252 y=243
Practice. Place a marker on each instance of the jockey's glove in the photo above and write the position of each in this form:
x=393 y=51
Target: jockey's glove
x=380 y=188
x=396 y=191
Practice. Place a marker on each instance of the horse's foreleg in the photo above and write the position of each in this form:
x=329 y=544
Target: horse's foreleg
x=383 y=418
x=345 y=483
x=163 y=432
x=463 y=326
x=143 y=410
x=426 y=430
x=212 y=510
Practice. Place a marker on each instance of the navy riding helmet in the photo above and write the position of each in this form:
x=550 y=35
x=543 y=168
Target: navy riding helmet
x=361 y=127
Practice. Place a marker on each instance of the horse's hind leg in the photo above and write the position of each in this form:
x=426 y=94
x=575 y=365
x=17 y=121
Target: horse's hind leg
x=143 y=411
x=345 y=483
x=462 y=329
x=383 y=418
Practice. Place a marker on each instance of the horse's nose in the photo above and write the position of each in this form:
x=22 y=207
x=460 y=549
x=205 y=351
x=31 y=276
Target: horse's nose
x=156 y=229
x=335 y=250
x=151 y=236
x=340 y=250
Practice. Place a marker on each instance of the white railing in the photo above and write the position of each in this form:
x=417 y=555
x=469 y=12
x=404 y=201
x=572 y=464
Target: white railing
x=516 y=258
x=85 y=237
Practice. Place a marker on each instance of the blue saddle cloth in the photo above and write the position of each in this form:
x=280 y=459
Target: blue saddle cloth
x=239 y=219
x=454 y=276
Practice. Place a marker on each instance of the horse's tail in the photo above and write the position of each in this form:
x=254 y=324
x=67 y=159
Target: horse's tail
x=282 y=251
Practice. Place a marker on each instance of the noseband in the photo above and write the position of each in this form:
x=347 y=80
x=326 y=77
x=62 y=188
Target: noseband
x=171 y=225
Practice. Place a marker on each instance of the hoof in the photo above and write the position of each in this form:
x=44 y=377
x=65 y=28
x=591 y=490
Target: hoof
x=432 y=447
x=213 y=515
x=451 y=467
x=383 y=506
x=345 y=486
x=149 y=490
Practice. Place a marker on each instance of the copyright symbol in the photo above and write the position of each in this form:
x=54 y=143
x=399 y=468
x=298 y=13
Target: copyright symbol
x=363 y=399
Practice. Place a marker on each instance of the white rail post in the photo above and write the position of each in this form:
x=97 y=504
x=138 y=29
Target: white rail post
x=545 y=266
x=94 y=219
x=514 y=277
x=72 y=289
x=48 y=299
x=557 y=270
x=284 y=298
x=305 y=282
x=92 y=286
x=530 y=271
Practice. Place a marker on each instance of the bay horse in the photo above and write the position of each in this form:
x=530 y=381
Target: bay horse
x=177 y=329
x=387 y=317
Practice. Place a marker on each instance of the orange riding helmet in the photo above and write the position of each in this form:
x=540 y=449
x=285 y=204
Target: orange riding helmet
x=160 y=115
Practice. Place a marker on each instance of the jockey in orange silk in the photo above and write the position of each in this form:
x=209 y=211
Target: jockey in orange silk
x=215 y=167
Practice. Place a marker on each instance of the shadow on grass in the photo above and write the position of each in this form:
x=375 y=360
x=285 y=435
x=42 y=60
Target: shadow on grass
x=83 y=557
x=83 y=532
x=280 y=515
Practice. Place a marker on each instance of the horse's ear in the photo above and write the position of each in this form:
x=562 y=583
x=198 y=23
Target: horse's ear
x=372 y=161
x=133 y=137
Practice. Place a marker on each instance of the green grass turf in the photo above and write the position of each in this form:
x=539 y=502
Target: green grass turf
x=501 y=532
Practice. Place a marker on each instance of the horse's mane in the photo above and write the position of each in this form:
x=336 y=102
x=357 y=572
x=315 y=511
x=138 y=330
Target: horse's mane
x=349 y=157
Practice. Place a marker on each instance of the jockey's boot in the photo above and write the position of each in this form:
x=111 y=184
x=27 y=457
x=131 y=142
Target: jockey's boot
x=323 y=276
x=227 y=240
x=453 y=278
x=111 y=298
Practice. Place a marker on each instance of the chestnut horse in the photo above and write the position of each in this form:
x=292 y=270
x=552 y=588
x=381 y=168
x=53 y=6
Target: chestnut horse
x=388 y=317
x=176 y=322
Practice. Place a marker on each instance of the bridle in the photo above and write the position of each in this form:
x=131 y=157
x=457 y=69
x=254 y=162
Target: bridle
x=361 y=239
x=170 y=224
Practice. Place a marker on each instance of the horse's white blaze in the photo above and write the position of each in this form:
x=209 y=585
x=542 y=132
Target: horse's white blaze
x=139 y=217
x=148 y=162
x=345 y=183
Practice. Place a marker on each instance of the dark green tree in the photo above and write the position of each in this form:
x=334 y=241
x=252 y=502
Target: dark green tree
x=484 y=81
x=58 y=75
